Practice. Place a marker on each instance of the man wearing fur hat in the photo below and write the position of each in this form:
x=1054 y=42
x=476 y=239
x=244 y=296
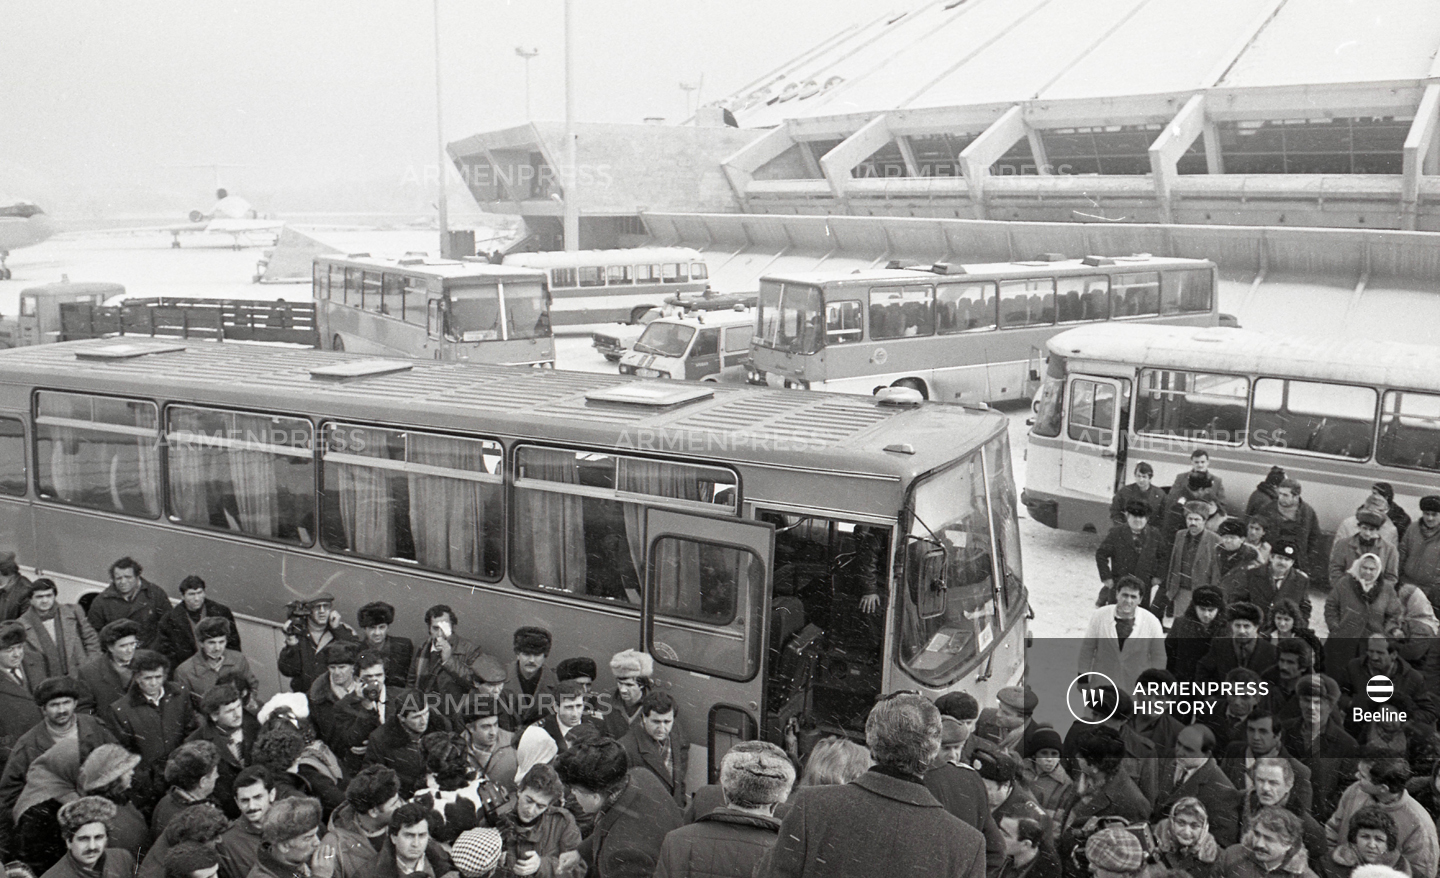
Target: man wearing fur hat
x=1243 y=648
x=632 y=670
x=1191 y=560
x=375 y=619
x=18 y=713
x=1281 y=578
x=1420 y=550
x=755 y=776
x=528 y=677
x=1321 y=742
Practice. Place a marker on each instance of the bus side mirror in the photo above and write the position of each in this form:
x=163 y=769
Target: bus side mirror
x=927 y=562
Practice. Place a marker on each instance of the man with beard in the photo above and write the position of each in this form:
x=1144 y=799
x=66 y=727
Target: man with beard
x=1262 y=741
x=1318 y=738
x=1272 y=785
x=240 y=844
x=1365 y=541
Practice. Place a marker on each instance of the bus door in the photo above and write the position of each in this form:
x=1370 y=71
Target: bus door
x=1091 y=441
x=704 y=618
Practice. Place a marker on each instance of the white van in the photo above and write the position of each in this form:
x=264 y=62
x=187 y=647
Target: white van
x=712 y=346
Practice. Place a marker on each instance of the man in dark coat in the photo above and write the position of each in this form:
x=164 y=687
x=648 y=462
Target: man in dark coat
x=233 y=730
x=632 y=811
x=14 y=588
x=151 y=719
x=1129 y=548
x=291 y=830
x=1267 y=584
x=886 y=822
x=1142 y=490
x=300 y=658
x=960 y=791
x=176 y=638
x=408 y=848
x=728 y=842
x=1272 y=784
x=130 y=597
x=1263 y=741
x=396 y=744
x=1410 y=693
x=528 y=676
x=653 y=742
x=1194 y=631
x=1244 y=648
x=375 y=619
x=1291 y=518
x=1318 y=739
x=106 y=677
x=1194 y=773
x=441 y=669
x=18 y=713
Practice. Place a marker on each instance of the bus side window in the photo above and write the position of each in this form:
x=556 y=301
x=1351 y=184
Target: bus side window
x=1136 y=295
x=392 y=295
x=592 y=276
x=698 y=271
x=1410 y=430
x=415 y=301
x=843 y=322
x=617 y=275
x=12 y=457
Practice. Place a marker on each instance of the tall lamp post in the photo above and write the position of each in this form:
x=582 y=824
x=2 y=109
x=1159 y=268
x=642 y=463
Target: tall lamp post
x=527 y=54
x=440 y=144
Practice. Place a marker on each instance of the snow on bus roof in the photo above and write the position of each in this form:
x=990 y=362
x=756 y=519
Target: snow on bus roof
x=1022 y=268
x=511 y=401
x=1352 y=360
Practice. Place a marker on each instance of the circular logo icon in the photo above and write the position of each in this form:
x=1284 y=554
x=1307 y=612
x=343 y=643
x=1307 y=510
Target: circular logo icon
x=1086 y=693
x=879 y=356
x=1379 y=688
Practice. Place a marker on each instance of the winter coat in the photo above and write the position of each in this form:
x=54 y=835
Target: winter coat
x=553 y=833
x=153 y=732
x=722 y=844
x=1051 y=790
x=392 y=745
x=1414 y=826
x=1154 y=497
x=267 y=865
x=1420 y=558
x=451 y=680
x=626 y=839
x=643 y=750
x=875 y=825
x=301 y=662
x=1418 y=615
x=147 y=605
x=1197 y=861
x=1259 y=589
x=1263 y=495
x=1189 y=641
x=78 y=641
x=1214 y=790
x=100 y=686
x=960 y=791
x=1352 y=615
x=1345 y=858
x=1201 y=567
x=18 y=713
x=229 y=766
x=1351 y=526
x=1331 y=758
x=1226 y=563
x=399 y=652
x=1236 y=861
x=435 y=855
x=355 y=856
x=91 y=733
x=1303 y=529
x=239 y=848
x=1119 y=797
x=1233 y=764
x=175 y=635
x=198 y=677
x=1222 y=658
x=1122 y=553
x=114 y=863
x=15 y=597
x=525 y=709
x=1100 y=649
x=1345 y=553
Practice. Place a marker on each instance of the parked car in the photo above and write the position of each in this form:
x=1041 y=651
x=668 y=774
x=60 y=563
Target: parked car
x=704 y=347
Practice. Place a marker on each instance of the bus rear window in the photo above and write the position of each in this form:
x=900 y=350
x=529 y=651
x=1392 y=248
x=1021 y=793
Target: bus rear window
x=1192 y=405
x=1337 y=420
x=1410 y=430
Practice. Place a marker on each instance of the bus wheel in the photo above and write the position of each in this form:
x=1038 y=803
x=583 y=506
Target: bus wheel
x=337 y=343
x=638 y=313
x=914 y=384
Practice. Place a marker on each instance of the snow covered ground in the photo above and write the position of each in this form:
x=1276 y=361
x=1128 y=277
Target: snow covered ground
x=1059 y=566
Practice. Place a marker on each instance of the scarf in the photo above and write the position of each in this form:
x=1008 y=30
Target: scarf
x=57 y=642
x=1367 y=588
x=54 y=775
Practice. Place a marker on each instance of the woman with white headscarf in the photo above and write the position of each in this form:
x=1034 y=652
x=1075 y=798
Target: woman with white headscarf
x=1360 y=604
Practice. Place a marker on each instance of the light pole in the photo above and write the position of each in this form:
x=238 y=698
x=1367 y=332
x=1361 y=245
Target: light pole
x=688 y=88
x=440 y=143
x=527 y=54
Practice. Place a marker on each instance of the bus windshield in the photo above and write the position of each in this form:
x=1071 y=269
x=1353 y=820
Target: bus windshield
x=474 y=313
x=525 y=313
x=791 y=317
x=665 y=339
x=947 y=607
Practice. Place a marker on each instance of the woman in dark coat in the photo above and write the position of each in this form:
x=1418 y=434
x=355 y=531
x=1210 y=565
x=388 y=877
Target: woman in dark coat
x=1190 y=637
x=1286 y=620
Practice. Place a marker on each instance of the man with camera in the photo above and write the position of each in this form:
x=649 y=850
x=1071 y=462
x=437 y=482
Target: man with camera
x=312 y=626
x=442 y=666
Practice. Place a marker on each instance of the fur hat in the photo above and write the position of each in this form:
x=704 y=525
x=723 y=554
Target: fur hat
x=1197 y=507
x=375 y=613
x=212 y=626
x=994 y=766
x=341 y=652
x=104 y=766
x=1208 y=596
x=295 y=701
x=1275 y=476
x=1430 y=503
x=756 y=773
x=12 y=633
x=951 y=732
x=574 y=668
x=1138 y=508
x=1231 y=527
x=52 y=688
x=1200 y=481
x=1369 y=517
x=632 y=663
x=1285 y=549
x=532 y=641
x=1244 y=611
x=476 y=852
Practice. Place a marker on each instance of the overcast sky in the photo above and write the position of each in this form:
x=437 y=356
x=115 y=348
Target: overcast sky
x=330 y=105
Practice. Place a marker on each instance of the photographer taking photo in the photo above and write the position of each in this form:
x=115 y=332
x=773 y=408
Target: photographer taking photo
x=313 y=625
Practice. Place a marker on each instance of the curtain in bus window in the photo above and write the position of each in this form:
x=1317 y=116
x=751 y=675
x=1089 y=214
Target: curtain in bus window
x=99 y=452
x=1410 y=430
x=12 y=457
x=713 y=585
x=363 y=495
x=1192 y=405
x=450 y=518
x=1332 y=419
x=190 y=467
x=661 y=480
x=548 y=549
x=147 y=461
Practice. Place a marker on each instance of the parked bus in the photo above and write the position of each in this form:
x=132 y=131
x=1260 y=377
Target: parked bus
x=731 y=532
x=959 y=332
x=1336 y=414
x=437 y=309
x=615 y=286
